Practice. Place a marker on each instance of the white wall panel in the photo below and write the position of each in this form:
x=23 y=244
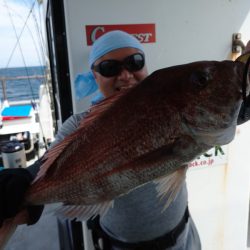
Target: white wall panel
x=185 y=30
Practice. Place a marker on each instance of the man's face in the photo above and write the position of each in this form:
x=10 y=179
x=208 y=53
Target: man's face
x=110 y=85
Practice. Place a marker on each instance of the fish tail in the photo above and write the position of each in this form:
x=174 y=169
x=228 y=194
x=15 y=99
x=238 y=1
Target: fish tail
x=9 y=227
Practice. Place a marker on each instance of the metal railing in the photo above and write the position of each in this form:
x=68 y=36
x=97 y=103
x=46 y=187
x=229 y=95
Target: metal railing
x=4 y=79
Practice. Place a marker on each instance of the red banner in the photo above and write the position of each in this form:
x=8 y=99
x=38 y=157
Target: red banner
x=145 y=33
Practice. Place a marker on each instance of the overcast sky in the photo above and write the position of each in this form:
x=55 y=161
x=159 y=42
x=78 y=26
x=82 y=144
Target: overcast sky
x=29 y=47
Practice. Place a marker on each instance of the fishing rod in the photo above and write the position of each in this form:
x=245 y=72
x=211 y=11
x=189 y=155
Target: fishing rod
x=33 y=102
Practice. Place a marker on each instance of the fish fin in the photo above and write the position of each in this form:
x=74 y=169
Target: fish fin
x=58 y=151
x=83 y=212
x=169 y=186
x=53 y=154
x=101 y=107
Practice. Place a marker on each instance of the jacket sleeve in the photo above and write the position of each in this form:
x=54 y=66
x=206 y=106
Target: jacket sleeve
x=243 y=118
x=68 y=127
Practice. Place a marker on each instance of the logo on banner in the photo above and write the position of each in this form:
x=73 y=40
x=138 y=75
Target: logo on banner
x=214 y=157
x=145 y=33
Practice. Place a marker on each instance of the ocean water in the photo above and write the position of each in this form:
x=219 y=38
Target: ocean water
x=25 y=89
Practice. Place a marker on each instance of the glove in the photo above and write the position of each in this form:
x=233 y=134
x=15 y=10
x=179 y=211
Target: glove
x=242 y=119
x=13 y=185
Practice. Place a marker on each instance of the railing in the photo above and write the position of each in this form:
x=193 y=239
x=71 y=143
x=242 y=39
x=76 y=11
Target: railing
x=3 y=80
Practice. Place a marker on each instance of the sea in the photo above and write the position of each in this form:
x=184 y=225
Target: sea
x=25 y=89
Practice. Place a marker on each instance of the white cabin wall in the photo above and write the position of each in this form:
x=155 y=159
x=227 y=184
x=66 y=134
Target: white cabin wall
x=185 y=31
x=245 y=28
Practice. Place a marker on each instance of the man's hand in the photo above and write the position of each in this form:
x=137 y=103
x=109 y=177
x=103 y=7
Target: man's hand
x=13 y=185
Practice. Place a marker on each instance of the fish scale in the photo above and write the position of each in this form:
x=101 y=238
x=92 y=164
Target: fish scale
x=112 y=137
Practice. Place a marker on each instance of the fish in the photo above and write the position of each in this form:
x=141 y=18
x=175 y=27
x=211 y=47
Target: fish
x=148 y=132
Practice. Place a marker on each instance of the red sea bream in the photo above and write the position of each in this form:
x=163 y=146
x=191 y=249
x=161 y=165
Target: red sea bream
x=147 y=132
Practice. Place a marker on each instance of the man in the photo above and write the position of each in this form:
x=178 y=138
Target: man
x=136 y=217
x=137 y=220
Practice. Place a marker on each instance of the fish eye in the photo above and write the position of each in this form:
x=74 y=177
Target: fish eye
x=201 y=78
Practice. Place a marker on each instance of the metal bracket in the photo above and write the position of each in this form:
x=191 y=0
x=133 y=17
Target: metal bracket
x=237 y=45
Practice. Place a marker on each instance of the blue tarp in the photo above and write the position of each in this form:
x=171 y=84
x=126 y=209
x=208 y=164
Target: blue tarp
x=22 y=110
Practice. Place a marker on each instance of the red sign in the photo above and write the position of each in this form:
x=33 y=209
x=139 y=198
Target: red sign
x=145 y=33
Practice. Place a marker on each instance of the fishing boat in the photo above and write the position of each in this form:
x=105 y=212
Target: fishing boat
x=172 y=33
x=26 y=114
x=26 y=121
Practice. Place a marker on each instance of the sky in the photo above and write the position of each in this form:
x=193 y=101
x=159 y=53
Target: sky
x=29 y=52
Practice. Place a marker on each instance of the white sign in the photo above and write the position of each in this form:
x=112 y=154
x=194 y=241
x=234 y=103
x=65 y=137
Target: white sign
x=215 y=156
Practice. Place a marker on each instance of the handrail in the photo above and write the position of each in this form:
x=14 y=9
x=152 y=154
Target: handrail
x=22 y=77
x=3 y=80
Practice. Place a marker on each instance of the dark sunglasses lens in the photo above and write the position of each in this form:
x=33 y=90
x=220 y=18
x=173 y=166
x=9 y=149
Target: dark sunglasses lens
x=135 y=62
x=109 y=68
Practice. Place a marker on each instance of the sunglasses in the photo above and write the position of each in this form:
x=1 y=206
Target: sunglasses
x=110 y=68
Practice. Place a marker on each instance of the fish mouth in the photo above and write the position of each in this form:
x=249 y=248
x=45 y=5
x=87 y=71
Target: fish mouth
x=216 y=137
x=211 y=136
